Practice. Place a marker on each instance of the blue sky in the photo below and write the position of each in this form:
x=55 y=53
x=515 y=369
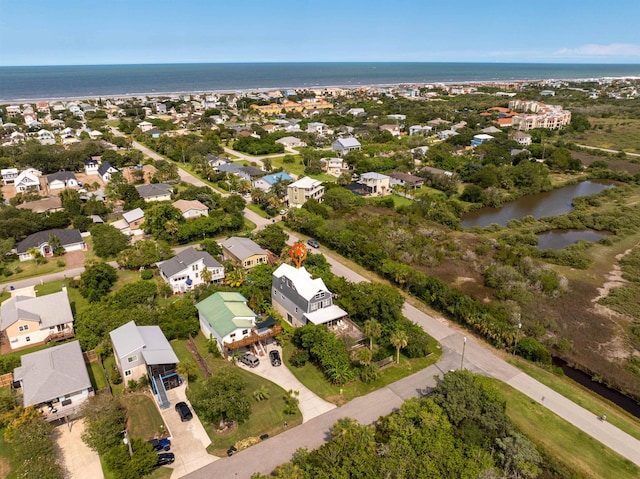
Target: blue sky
x=64 y=32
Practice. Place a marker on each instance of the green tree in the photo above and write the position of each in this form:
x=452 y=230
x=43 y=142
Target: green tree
x=104 y=420
x=107 y=241
x=221 y=398
x=399 y=339
x=143 y=254
x=188 y=370
x=372 y=329
x=273 y=238
x=125 y=466
x=158 y=218
x=211 y=246
x=97 y=281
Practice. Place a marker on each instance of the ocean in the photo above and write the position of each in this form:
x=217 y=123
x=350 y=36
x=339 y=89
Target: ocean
x=51 y=82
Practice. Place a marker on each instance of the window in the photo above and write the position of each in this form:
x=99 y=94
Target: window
x=128 y=372
x=319 y=295
x=296 y=310
x=232 y=335
x=132 y=359
x=27 y=339
x=245 y=332
x=24 y=328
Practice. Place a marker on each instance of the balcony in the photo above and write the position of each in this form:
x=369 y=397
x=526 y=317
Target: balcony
x=60 y=336
x=254 y=337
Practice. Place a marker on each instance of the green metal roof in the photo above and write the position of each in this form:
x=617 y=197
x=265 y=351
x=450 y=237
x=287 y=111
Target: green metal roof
x=226 y=312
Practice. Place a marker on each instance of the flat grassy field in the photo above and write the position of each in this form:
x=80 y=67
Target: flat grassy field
x=582 y=397
x=96 y=375
x=29 y=269
x=145 y=421
x=559 y=439
x=256 y=209
x=6 y=457
x=611 y=133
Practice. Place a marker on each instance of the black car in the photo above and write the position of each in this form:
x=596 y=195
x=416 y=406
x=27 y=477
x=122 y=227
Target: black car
x=163 y=444
x=274 y=356
x=184 y=411
x=165 y=459
x=313 y=243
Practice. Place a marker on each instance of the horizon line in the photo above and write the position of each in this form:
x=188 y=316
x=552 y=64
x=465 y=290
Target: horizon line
x=326 y=62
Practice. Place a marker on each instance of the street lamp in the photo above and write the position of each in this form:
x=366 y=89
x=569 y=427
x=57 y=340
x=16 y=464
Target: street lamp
x=464 y=345
x=517 y=336
x=127 y=442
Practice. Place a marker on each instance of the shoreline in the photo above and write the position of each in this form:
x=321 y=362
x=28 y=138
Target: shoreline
x=350 y=86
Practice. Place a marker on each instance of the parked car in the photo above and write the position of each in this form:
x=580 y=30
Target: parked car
x=250 y=360
x=283 y=212
x=165 y=458
x=274 y=356
x=184 y=411
x=163 y=444
x=313 y=243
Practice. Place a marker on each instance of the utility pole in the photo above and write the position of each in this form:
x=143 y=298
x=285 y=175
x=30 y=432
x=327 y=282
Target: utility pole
x=517 y=335
x=127 y=442
x=464 y=345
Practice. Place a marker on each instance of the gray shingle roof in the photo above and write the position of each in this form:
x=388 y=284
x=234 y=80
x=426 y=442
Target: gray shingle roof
x=104 y=168
x=154 y=189
x=49 y=310
x=242 y=248
x=61 y=175
x=186 y=258
x=150 y=340
x=66 y=237
x=52 y=373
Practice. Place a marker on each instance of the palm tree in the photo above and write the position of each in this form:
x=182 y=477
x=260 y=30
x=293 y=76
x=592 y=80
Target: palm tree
x=206 y=276
x=187 y=369
x=400 y=340
x=364 y=356
x=235 y=277
x=372 y=329
x=261 y=393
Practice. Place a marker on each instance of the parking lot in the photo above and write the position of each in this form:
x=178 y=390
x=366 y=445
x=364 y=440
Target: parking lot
x=310 y=404
x=189 y=440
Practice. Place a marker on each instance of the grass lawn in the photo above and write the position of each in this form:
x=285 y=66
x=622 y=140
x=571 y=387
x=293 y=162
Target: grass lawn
x=397 y=200
x=561 y=440
x=180 y=348
x=582 y=397
x=6 y=458
x=160 y=473
x=145 y=421
x=96 y=375
x=110 y=363
x=611 y=133
x=312 y=376
x=29 y=269
x=4 y=295
x=256 y=209
x=249 y=225
x=295 y=168
x=267 y=416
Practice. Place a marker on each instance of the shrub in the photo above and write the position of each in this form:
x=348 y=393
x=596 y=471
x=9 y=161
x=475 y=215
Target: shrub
x=146 y=274
x=418 y=346
x=132 y=385
x=61 y=263
x=114 y=376
x=369 y=373
x=533 y=350
x=299 y=358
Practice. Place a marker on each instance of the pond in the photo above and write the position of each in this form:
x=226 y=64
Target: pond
x=549 y=203
x=558 y=239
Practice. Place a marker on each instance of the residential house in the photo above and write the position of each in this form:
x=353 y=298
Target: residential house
x=191 y=209
x=54 y=380
x=95 y=134
x=226 y=318
x=28 y=320
x=522 y=138
x=304 y=189
x=92 y=165
x=438 y=122
x=419 y=130
x=183 y=272
x=334 y=166
x=317 y=128
x=444 y=134
x=9 y=175
x=480 y=139
x=130 y=223
x=250 y=173
x=145 y=126
x=358 y=112
x=45 y=137
x=393 y=129
x=70 y=240
x=142 y=351
x=61 y=180
x=291 y=142
x=217 y=161
x=491 y=130
x=243 y=251
x=376 y=183
x=266 y=182
x=46 y=205
x=106 y=171
x=28 y=180
x=397 y=117
x=302 y=300
x=155 y=192
x=405 y=180
x=342 y=146
x=227 y=167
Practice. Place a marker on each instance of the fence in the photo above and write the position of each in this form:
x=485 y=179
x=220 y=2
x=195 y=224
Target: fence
x=6 y=380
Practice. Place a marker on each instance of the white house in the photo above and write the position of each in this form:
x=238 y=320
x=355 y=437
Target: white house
x=28 y=180
x=130 y=223
x=266 y=182
x=106 y=171
x=45 y=137
x=522 y=138
x=342 y=146
x=9 y=175
x=155 y=192
x=91 y=166
x=291 y=142
x=376 y=183
x=183 y=272
x=304 y=189
x=145 y=126
x=334 y=166
x=419 y=130
x=61 y=180
x=191 y=209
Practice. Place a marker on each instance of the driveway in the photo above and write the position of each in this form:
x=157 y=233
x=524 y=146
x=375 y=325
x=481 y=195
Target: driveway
x=310 y=405
x=77 y=459
x=189 y=440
